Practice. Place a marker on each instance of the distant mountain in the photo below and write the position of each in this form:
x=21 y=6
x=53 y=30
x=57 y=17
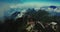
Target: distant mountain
x=57 y=14
x=53 y=10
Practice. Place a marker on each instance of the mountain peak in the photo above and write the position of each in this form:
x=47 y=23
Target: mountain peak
x=54 y=7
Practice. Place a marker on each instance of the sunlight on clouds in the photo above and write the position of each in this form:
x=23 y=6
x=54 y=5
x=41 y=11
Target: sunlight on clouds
x=35 y=5
x=30 y=4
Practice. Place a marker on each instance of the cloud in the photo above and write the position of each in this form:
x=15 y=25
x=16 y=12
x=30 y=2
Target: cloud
x=5 y=7
x=29 y=4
